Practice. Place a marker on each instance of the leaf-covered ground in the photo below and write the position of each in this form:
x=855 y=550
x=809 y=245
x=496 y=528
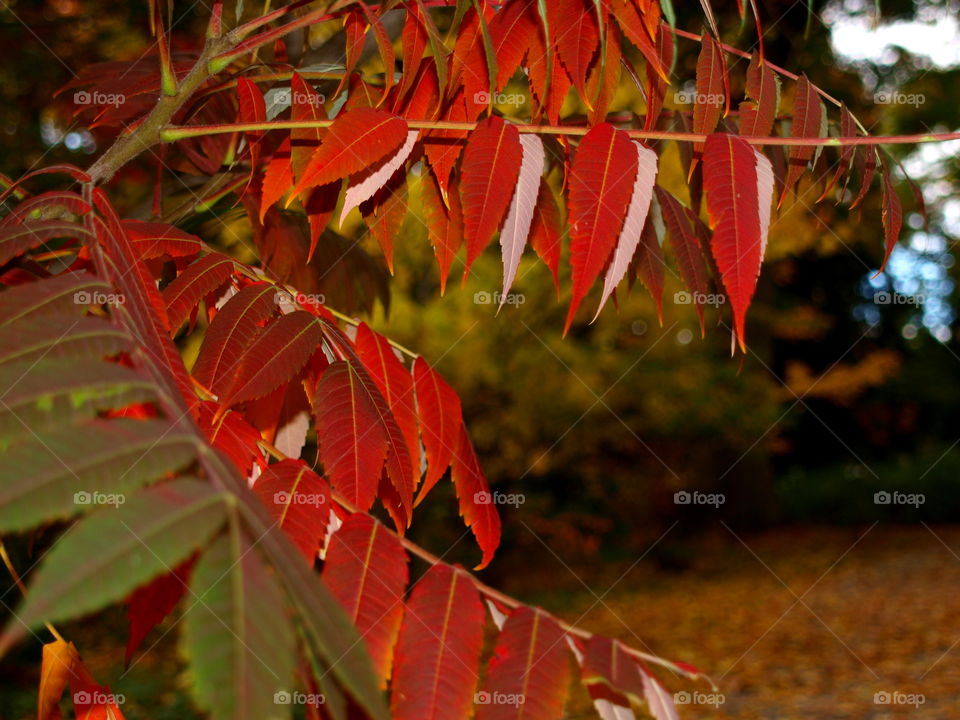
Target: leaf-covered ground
x=799 y=623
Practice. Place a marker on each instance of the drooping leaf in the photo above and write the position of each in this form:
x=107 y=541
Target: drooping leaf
x=59 y=659
x=385 y=212
x=763 y=90
x=546 y=230
x=512 y=31
x=253 y=109
x=491 y=166
x=366 y=185
x=892 y=216
x=114 y=551
x=366 y=570
x=634 y=221
x=656 y=84
x=237 y=634
x=474 y=498
x=731 y=180
x=54 y=296
x=577 y=38
x=516 y=228
x=356 y=140
x=438 y=652
x=711 y=84
x=809 y=120
x=650 y=264
x=233 y=328
x=686 y=248
x=299 y=501
x=396 y=385
x=202 y=277
x=444 y=225
x=151 y=603
x=440 y=421
x=601 y=183
x=659 y=701
x=155 y=239
x=529 y=665
x=61 y=337
x=274 y=358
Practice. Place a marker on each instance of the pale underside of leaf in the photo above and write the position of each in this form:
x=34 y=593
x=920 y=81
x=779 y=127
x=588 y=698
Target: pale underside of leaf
x=516 y=228
x=367 y=187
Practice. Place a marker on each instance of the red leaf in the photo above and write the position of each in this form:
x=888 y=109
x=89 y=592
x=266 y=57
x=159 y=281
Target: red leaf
x=278 y=177
x=186 y=291
x=550 y=93
x=809 y=120
x=892 y=217
x=468 y=63
x=358 y=437
x=513 y=31
x=444 y=225
x=413 y=40
x=253 y=109
x=656 y=84
x=150 y=604
x=274 y=358
x=366 y=570
x=233 y=328
x=530 y=665
x=440 y=421
x=306 y=105
x=443 y=147
x=473 y=495
x=356 y=140
x=491 y=166
x=730 y=180
x=650 y=265
x=546 y=230
x=610 y=673
x=686 y=248
x=396 y=386
x=232 y=435
x=385 y=212
x=155 y=239
x=299 y=501
x=438 y=653
x=577 y=35
x=763 y=89
x=711 y=95
x=601 y=183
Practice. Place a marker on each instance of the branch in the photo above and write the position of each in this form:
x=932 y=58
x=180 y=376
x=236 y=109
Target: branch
x=174 y=133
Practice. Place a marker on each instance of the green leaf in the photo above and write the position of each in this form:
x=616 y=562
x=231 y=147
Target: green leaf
x=76 y=469
x=36 y=396
x=107 y=555
x=55 y=337
x=238 y=634
x=49 y=297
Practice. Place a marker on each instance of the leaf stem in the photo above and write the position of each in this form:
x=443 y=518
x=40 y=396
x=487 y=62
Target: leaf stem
x=19 y=583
